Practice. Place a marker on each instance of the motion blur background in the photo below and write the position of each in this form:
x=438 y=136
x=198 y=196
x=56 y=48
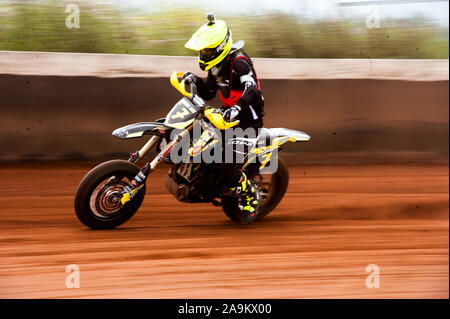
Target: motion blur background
x=273 y=29
x=359 y=78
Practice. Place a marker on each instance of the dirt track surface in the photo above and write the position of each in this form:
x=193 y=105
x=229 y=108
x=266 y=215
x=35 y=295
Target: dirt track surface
x=333 y=222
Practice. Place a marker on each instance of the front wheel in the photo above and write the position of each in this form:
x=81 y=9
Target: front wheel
x=97 y=198
x=271 y=188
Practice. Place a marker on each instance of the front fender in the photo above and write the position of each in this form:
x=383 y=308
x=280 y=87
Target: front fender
x=139 y=129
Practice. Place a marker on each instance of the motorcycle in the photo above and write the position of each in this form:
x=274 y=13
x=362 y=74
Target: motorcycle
x=106 y=198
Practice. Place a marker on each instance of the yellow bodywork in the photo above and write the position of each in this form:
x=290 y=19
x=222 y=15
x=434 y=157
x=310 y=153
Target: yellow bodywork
x=217 y=120
x=199 y=146
x=266 y=151
x=179 y=85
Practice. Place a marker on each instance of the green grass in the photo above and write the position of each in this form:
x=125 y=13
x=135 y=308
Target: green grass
x=40 y=26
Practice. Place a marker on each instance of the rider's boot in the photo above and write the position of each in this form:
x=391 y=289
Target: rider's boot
x=249 y=199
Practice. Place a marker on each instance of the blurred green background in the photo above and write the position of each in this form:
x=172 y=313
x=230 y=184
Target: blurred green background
x=109 y=28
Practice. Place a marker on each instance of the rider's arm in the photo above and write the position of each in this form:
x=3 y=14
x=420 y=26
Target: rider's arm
x=206 y=89
x=248 y=83
x=209 y=88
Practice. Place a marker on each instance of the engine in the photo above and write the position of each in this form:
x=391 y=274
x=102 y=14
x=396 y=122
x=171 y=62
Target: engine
x=188 y=182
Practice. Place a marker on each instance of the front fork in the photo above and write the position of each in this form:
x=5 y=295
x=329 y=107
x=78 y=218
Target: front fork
x=138 y=155
x=138 y=181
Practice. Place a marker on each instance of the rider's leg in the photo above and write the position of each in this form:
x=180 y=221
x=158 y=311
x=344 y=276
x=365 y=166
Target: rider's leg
x=237 y=182
x=249 y=198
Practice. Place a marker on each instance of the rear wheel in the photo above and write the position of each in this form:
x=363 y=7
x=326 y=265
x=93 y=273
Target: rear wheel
x=97 y=199
x=271 y=188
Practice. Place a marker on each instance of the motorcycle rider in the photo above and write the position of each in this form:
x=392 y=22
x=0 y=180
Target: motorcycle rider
x=230 y=70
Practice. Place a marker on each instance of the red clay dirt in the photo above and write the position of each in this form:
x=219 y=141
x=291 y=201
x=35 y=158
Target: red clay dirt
x=333 y=222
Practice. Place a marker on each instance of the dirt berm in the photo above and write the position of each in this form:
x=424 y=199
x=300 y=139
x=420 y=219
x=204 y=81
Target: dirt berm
x=67 y=117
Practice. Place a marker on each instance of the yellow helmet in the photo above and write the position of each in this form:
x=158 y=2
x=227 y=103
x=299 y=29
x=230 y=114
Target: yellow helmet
x=212 y=42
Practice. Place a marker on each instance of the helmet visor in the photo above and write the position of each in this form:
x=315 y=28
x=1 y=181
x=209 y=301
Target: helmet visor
x=208 y=54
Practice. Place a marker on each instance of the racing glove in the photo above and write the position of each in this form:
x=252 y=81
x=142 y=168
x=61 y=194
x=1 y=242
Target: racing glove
x=231 y=114
x=189 y=78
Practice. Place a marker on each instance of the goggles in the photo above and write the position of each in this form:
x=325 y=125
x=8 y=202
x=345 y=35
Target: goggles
x=208 y=54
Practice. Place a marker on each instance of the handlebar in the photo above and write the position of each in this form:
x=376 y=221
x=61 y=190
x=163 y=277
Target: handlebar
x=180 y=86
x=193 y=88
x=212 y=114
